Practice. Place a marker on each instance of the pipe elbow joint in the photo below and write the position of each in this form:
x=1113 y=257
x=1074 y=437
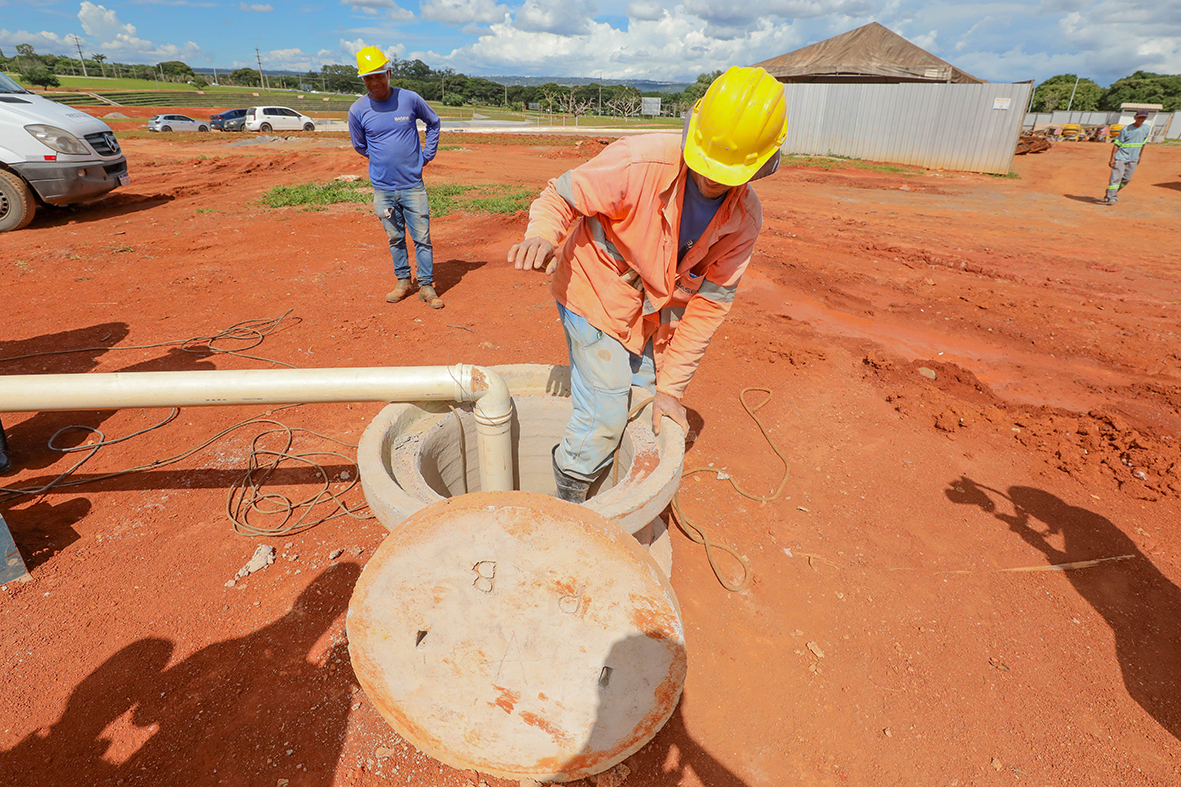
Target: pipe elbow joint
x=494 y=403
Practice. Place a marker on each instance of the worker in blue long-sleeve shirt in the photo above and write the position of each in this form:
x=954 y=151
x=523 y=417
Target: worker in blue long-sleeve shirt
x=383 y=126
x=1126 y=155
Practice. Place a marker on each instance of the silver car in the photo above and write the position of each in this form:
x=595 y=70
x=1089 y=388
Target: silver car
x=176 y=123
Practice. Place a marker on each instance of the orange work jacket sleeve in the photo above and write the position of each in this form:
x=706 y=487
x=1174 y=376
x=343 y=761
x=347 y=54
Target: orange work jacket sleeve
x=615 y=222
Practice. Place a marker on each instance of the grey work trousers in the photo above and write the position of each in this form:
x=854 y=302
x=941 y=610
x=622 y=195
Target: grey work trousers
x=1121 y=175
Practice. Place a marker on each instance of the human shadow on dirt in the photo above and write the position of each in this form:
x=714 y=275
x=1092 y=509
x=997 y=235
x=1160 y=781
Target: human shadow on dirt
x=105 y=208
x=43 y=529
x=1087 y=200
x=1141 y=605
x=674 y=751
x=449 y=273
x=256 y=709
x=639 y=673
x=1174 y=186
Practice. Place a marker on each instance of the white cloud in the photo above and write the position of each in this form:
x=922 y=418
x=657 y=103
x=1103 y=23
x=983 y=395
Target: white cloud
x=463 y=12
x=43 y=41
x=387 y=8
x=561 y=17
x=731 y=19
x=122 y=42
x=674 y=48
x=258 y=7
x=645 y=11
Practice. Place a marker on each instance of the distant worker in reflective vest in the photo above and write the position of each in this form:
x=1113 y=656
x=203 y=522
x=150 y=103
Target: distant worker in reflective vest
x=1126 y=155
x=383 y=127
x=655 y=233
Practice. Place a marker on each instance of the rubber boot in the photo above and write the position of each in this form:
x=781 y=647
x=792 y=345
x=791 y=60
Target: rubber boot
x=570 y=489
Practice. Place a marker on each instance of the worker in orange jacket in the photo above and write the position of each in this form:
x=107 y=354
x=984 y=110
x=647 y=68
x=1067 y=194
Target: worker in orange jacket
x=647 y=243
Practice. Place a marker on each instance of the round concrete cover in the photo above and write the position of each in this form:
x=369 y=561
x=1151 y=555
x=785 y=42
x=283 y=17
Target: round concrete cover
x=517 y=635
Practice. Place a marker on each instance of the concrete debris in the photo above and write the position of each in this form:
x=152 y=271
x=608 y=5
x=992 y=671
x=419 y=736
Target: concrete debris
x=383 y=752
x=263 y=557
x=115 y=115
x=347 y=178
x=262 y=139
x=334 y=554
x=928 y=373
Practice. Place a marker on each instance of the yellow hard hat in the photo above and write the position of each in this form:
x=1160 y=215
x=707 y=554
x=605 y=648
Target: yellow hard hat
x=371 y=60
x=736 y=126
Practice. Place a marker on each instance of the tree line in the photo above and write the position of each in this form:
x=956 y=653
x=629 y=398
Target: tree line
x=443 y=85
x=1142 y=87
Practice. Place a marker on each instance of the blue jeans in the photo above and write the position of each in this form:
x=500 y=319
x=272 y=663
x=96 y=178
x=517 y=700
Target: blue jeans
x=602 y=372
x=401 y=210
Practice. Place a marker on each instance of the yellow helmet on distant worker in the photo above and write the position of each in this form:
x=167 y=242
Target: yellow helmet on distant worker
x=738 y=124
x=371 y=60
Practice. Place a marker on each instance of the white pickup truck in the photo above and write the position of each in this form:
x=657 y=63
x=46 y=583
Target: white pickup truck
x=51 y=153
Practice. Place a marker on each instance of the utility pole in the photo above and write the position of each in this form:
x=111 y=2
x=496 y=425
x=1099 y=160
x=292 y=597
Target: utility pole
x=600 y=92
x=262 y=80
x=1070 y=103
x=78 y=43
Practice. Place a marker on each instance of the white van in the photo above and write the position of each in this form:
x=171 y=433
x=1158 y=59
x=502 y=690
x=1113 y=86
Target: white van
x=266 y=119
x=51 y=153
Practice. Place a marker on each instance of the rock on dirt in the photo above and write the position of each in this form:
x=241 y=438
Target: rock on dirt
x=263 y=557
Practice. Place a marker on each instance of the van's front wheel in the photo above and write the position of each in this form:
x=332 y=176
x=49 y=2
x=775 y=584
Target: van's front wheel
x=17 y=205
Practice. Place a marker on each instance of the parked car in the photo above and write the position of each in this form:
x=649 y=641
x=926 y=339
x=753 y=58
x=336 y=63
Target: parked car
x=266 y=119
x=51 y=154
x=230 y=120
x=175 y=123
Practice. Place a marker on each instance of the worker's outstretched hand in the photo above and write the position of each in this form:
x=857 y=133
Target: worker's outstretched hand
x=533 y=253
x=668 y=405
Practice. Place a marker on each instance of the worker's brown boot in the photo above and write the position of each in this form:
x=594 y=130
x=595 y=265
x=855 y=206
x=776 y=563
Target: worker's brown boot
x=399 y=292
x=427 y=295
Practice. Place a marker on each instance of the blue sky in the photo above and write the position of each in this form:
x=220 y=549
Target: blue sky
x=646 y=39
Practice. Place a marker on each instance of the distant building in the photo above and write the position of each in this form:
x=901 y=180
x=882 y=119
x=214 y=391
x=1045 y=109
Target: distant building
x=869 y=54
x=871 y=94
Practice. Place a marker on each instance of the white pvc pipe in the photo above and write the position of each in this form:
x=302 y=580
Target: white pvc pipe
x=459 y=383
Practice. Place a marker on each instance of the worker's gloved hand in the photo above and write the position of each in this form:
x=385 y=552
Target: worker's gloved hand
x=533 y=253
x=668 y=405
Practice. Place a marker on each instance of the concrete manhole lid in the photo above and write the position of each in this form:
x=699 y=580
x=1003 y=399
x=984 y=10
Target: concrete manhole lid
x=517 y=635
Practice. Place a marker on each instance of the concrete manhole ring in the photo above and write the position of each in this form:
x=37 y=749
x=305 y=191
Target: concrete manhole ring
x=517 y=635
x=413 y=455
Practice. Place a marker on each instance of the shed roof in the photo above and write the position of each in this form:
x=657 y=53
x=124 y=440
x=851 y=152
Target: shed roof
x=870 y=53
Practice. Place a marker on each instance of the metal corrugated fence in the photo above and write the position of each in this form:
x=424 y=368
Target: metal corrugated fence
x=971 y=128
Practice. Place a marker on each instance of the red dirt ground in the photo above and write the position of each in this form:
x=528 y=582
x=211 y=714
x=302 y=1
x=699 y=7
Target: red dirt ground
x=883 y=640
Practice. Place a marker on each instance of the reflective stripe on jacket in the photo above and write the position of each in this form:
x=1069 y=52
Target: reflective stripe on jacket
x=620 y=215
x=1129 y=142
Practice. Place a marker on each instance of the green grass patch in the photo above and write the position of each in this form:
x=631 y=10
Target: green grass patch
x=1010 y=175
x=443 y=198
x=844 y=162
x=328 y=193
x=485 y=198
